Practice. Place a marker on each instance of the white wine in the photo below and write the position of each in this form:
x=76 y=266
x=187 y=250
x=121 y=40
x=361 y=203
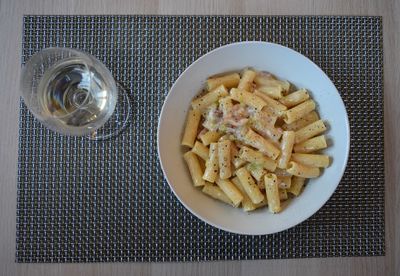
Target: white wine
x=76 y=97
x=73 y=93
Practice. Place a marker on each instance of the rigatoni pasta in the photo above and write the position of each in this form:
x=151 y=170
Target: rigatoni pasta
x=210 y=137
x=201 y=150
x=286 y=148
x=209 y=98
x=275 y=92
x=192 y=123
x=299 y=111
x=264 y=123
x=255 y=157
x=253 y=140
x=296 y=185
x=312 y=160
x=216 y=192
x=212 y=164
x=230 y=190
x=249 y=186
x=306 y=120
x=224 y=159
x=230 y=80
x=267 y=79
x=311 y=145
x=295 y=98
x=194 y=168
x=247 y=204
x=309 y=131
x=256 y=171
x=272 y=193
x=285 y=182
x=246 y=81
x=302 y=170
x=237 y=161
x=272 y=104
x=247 y=98
x=225 y=104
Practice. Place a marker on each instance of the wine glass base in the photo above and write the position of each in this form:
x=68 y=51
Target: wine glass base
x=118 y=121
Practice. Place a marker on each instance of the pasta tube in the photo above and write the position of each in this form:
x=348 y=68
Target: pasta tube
x=286 y=148
x=258 y=158
x=311 y=145
x=192 y=124
x=309 y=131
x=201 y=150
x=236 y=160
x=210 y=98
x=246 y=80
x=194 y=168
x=231 y=191
x=210 y=137
x=225 y=104
x=249 y=185
x=312 y=160
x=256 y=171
x=269 y=80
x=248 y=98
x=295 y=98
x=215 y=192
x=272 y=192
x=306 y=120
x=263 y=203
x=297 y=185
x=257 y=141
x=224 y=159
x=299 y=111
x=284 y=182
x=212 y=168
x=302 y=170
x=247 y=204
x=264 y=124
x=231 y=80
x=272 y=104
x=274 y=92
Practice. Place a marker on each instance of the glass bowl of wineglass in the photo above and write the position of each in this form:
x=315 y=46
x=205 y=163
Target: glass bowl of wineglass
x=73 y=93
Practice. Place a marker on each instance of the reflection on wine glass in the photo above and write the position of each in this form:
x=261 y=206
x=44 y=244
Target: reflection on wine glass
x=73 y=93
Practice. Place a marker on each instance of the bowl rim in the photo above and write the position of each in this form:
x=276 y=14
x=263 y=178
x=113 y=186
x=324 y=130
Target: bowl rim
x=301 y=219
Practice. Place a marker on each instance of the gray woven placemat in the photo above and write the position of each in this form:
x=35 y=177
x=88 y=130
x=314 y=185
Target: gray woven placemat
x=82 y=201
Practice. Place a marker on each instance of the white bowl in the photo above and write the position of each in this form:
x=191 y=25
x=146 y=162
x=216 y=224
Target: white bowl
x=286 y=64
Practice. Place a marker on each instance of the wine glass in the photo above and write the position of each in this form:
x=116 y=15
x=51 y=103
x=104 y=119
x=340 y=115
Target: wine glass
x=73 y=93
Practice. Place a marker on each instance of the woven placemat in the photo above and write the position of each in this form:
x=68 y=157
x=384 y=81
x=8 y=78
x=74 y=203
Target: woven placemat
x=83 y=201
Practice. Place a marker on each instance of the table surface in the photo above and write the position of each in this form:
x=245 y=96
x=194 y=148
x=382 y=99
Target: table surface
x=11 y=13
